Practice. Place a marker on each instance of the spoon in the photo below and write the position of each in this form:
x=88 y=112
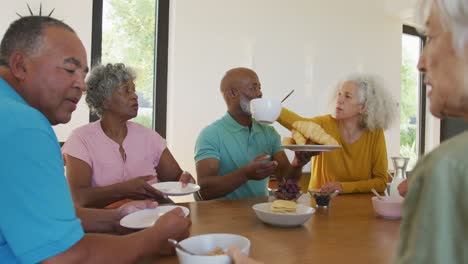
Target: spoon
x=177 y=245
x=286 y=97
x=376 y=194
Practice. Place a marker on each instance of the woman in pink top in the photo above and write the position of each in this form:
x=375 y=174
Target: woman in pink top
x=114 y=159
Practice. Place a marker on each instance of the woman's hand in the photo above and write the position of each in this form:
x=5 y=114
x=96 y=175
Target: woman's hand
x=403 y=188
x=185 y=178
x=331 y=187
x=129 y=208
x=139 y=189
x=240 y=258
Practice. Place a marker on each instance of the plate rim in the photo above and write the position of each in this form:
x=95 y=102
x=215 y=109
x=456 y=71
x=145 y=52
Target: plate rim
x=195 y=187
x=123 y=219
x=312 y=147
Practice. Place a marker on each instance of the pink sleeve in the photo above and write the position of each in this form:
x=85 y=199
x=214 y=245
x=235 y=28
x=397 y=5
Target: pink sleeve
x=75 y=146
x=158 y=144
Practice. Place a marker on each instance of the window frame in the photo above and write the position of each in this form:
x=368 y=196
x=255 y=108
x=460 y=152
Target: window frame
x=409 y=30
x=160 y=59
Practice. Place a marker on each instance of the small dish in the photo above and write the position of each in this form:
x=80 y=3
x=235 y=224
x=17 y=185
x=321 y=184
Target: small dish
x=322 y=199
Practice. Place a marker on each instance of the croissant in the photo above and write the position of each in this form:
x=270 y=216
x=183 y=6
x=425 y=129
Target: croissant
x=288 y=141
x=314 y=132
x=298 y=137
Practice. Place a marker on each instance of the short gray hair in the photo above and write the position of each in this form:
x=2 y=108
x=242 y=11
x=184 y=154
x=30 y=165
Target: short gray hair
x=26 y=35
x=103 y=80
x=379 y=104
x=454 y=17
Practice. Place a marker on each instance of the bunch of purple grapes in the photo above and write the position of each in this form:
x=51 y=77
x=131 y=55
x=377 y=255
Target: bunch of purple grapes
x=288 y=190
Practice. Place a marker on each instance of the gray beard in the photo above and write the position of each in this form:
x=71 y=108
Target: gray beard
x=245 y=106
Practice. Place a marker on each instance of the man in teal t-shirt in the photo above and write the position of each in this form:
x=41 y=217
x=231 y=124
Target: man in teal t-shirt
x=236 y=155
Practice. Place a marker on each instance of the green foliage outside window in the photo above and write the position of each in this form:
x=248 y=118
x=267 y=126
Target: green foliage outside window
x=408 y=109
x=128 y=37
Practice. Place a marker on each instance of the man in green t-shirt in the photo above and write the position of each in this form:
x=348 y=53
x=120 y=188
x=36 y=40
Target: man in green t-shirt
x=235 y=155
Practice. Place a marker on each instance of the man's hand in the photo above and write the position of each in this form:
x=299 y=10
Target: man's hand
x=185 y=178
x=403 y=188
x=172 y=224
x=331 y=187
x=258 y=169
x=134 y=206
x=139 y=189
x=301 y=158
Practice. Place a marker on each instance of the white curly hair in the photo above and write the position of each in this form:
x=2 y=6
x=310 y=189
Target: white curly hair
x=380 y=107
x=454 y=17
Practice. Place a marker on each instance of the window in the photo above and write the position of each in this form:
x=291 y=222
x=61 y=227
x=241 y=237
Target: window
x=413 y=95
x=136 y=33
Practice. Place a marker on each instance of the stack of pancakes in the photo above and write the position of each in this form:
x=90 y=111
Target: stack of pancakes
x=283 y=206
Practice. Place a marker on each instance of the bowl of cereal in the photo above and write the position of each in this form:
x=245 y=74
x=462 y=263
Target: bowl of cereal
x=387 y=206
x=211 y=248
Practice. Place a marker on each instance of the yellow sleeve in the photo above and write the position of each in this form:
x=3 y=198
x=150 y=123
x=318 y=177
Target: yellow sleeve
x=288 y=117
x=378 y=179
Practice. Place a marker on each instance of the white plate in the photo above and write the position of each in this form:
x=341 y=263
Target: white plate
x=175 y=188
x=147 y=217
x=302 y=214
x=322 y=148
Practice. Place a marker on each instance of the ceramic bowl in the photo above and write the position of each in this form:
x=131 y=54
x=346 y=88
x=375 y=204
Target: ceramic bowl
x=265 y=110
x=203 y=244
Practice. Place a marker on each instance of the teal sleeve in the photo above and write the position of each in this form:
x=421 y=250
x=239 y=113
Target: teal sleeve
x=207 y=145
x=38 y=218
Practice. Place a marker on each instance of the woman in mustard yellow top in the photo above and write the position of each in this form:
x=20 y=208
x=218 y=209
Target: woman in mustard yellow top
x=363 y=110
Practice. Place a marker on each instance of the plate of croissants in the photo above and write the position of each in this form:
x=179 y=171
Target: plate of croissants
x=309 y=136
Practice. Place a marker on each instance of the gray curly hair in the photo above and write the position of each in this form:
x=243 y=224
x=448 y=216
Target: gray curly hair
x=103 y=80
x=379 y=105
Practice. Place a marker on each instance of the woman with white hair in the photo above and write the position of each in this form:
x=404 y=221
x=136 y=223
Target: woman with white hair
x=363 y=110
x=435 y=217
x=113 y=159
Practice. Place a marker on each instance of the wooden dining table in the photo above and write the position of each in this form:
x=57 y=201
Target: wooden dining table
x=346 y=232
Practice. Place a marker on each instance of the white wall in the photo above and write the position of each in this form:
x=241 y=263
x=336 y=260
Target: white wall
x=78 y=15
x=304 y=45
x=404 y=9
x=300 y=44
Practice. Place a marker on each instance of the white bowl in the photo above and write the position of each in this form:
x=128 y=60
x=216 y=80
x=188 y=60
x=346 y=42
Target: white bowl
x=263 y=212
x=389 y=207
x=203 y=244
x=265 y=110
